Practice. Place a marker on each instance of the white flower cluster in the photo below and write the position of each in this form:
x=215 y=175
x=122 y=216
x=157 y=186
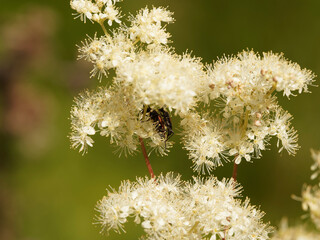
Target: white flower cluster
x=148 y=74
x=162 y=79
x=204 y=140
x=211 y=139
x=151 y=82
x=311 y=202
x=311 y=194
x=106 y=53
x=97 y=10
x=146 y=26
x=249 y=78
x=241 y=88
x=294 y=233
x=169 y=208
x=112 y=112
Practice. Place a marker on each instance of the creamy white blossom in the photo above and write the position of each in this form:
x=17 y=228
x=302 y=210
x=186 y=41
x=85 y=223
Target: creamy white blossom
x=160 y=78
x=311 y=202
x=251 y=78
x=203 y=139
x=152 y=82
x=212 y=139
x=146 y=26
x=169 y=208
x=98 y=10
x=281 y=127
x=311 y=194
x=242 y=90
x=153 y=77
x=114 y=113
x=310 y=198
x=107 y=53
x=299 y=232
x=85 y=8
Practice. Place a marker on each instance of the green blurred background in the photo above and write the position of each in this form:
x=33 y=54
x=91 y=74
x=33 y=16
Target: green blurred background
x=48 y=191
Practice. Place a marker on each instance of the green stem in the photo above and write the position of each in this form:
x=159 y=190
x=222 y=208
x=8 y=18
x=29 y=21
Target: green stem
x=105 y=32
x=274 y=86
x=245 y=123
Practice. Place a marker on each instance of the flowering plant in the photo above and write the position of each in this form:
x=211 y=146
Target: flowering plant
x=151 y=83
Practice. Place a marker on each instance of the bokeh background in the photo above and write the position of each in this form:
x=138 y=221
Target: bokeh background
x=48 y=191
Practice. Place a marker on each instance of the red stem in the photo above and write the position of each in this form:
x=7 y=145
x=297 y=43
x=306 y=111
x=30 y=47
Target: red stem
x=235 y=169
x=144 y=152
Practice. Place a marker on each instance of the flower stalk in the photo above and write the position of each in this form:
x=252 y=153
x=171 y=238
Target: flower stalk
x=234 y=172
x=146 y=158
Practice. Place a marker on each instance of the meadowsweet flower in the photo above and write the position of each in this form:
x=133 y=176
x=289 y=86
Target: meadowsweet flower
x=161 y=78
x=251 y=77
x=241 y=88
x=211 y=141
x=107 y=53
x=150 y=82
x=98 y=11
x=311 y=194
x=114 y=113
x=280 y=126
x=294 y=233
x=146 y=26
x=311 y=202
x=85 y=8
x=111 y=13
x=169 y=208
x=153 y=77
x=202 y=137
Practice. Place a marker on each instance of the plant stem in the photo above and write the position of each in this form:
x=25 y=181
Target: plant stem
x=104 y=29
x=245 y=123
x=234 y=173
x=143 y=148
x=106 y=32
x=274 y=87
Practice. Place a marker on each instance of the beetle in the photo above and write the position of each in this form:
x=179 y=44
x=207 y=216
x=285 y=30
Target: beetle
x=162 y=121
